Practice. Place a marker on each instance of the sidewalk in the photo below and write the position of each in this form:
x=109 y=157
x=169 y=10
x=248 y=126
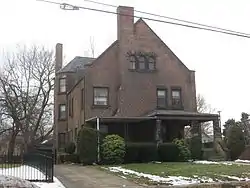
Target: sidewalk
x=74 y=176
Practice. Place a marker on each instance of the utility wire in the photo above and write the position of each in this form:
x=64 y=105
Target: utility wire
x=170 y=18
x=67 y=6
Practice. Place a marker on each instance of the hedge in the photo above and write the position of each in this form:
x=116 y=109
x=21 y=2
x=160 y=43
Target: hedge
x=87 y=145
x=168 y=152
x=140 y=152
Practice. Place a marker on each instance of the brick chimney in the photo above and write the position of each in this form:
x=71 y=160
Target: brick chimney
x=125 y=37
x=125 y=22
x=59 y=56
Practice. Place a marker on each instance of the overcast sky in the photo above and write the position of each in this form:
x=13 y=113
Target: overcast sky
x=221 y=62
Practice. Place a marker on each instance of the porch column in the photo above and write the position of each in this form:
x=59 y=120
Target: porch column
x=158 y=136
x=196 y=140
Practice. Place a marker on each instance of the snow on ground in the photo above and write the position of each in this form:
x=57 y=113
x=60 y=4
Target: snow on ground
x=242 y=161
x=10 y=181
x=28 y=172
x=213 y=162
x=173 y=180
x=55 y=184
x=235 y=178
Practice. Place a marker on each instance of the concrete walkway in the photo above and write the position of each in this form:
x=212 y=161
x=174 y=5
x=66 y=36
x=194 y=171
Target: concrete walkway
x=74 y=176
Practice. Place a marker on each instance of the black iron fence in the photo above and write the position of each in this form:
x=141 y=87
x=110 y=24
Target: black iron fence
x=36 y=166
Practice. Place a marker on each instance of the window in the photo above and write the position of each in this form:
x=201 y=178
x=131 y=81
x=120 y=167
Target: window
x=161 y=98
x=176 y=97
x=101 y=96
x=141 y=61
x=61 y=140
x=62 y=111
x=82 y=99
x=132 y=62
x=151 y=63
x=62 y=85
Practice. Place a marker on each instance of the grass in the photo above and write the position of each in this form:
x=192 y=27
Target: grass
x=213 y=171
x=7 y=165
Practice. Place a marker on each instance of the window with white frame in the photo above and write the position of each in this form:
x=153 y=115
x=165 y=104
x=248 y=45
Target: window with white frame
x=100 y=96
x=62 y=84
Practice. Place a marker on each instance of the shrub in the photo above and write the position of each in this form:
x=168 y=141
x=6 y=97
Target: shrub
x=196 y=147
x=140 y=152
x=168 y=152
x=113 y=149
x=235 y=141
x=87 y=145
x=70 y=148
x=184 y=154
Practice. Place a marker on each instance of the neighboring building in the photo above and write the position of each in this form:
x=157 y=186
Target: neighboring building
x=137 y=87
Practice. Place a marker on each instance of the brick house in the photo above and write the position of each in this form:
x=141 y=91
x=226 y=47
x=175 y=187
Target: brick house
x=137 y=88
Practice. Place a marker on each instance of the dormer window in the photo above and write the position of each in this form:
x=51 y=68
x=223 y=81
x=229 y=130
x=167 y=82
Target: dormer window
x=140 y=61
x=132 y=60
x=151 y=63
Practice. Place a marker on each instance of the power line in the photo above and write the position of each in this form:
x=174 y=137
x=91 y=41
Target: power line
x=67 y=6
x=170 y=18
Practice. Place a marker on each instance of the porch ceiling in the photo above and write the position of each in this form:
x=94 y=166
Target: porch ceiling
x=183 y=115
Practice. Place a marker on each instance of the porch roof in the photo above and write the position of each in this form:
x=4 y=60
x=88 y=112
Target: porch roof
x=160 y=114
x=119 y=119
x=182 y=115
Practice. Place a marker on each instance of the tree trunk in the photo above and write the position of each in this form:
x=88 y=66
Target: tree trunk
x=12 y=143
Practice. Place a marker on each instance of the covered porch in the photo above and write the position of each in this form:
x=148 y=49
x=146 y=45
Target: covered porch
x=157 y=126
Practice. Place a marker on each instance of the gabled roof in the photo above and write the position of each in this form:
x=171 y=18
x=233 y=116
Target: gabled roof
x=142 y=21
x=77 y=63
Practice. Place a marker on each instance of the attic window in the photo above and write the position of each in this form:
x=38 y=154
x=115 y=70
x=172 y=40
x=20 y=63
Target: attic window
x=142 y=61
x=132 y=62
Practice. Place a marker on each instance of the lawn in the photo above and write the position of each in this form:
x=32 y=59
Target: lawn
x=7 y=165
x=182 y=173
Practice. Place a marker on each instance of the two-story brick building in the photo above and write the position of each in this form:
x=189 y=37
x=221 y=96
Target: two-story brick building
x=137 y=88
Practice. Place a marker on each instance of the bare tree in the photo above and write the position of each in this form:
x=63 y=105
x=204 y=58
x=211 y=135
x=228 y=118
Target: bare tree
x=202 y=107
x=26 y=86
x=92 y=46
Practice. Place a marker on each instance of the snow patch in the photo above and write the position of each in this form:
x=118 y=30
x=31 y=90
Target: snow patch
x=213 y=162
x=55 y=184
x=23 y=172
x=173 y=180
x=235 y=178
x=242 y=161
x=10 y=181
x=30 y=173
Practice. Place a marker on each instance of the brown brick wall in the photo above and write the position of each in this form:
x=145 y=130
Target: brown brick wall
x=103 y=73
x=77 y=116
x=130 y=93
